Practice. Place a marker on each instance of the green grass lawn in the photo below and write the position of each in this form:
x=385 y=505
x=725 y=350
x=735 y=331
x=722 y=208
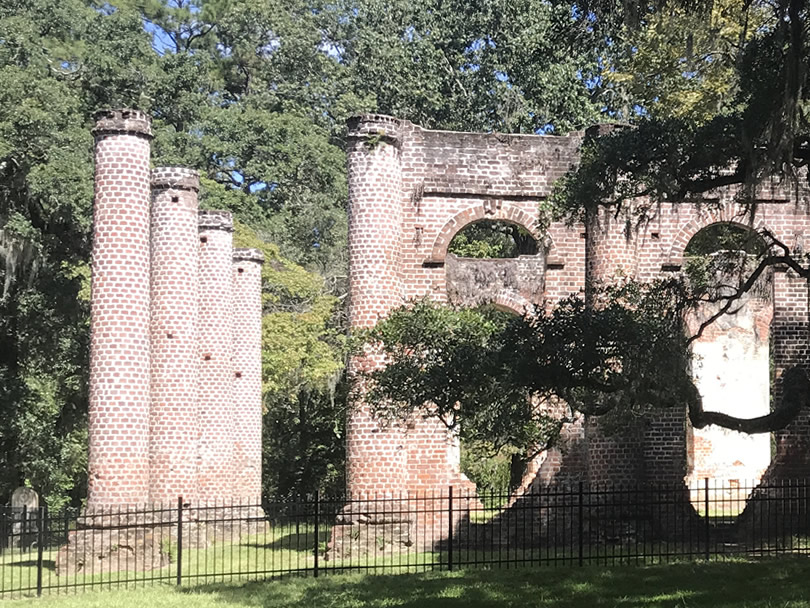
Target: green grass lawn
x=777 y=583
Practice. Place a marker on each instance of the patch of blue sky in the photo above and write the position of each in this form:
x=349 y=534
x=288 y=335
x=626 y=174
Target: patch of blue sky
x=479 y=44
x=332 y=49
x=271 y=47
x=105 y=8
x=591 y=81
x=161 y=41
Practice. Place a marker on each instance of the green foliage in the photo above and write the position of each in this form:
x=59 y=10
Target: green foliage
x=302 y=362
x=496 y=380
x=489 y=469
x=681 y=62
x=725 y=237
x=504 y=65
x=725 y=105
x=491 y=239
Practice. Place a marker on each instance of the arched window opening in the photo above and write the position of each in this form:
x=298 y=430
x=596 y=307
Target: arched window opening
x=725 y=236
x=731 y=359
x=493 y=239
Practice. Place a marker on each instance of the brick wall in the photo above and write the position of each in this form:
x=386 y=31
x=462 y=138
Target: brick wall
x=412 y=190
x=216 y=380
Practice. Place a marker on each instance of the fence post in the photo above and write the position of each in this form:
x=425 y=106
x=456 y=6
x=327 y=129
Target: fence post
x=450 y=529
x=4 y=536
x=179 y=540
x=706 y=511
x=580 y=524
x=23 y=529
x=317 y=527
x=40 y=546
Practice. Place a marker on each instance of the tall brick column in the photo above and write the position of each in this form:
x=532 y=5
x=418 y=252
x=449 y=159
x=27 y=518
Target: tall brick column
x=247 y=391
x=118 y=468
x=790 y=334
x=610 y=258
x=174 y=427
x=215 y=398
x=376 y=458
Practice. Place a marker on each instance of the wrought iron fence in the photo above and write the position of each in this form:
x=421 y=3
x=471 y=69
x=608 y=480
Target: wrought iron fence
x=564 y=524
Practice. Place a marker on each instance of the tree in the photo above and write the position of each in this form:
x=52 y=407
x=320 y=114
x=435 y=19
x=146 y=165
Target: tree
x=303 y=349
x=513 y=66
x=758 y=132
x=736 y=139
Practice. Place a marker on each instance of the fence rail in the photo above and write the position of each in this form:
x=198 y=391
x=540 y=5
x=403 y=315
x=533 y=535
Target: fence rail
x=573 y=525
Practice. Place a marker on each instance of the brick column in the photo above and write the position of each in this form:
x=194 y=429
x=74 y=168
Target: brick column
x=118 y=467
x=174 y=425
x=247 y=391
x=610 y=257
x=790 y=332
x=215 y=398
x=376 y=458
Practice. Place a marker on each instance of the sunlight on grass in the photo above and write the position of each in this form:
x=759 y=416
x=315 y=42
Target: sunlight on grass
x=697 y=585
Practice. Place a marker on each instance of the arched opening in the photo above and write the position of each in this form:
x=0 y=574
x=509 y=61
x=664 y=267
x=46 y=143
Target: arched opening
x=497 y=470
x=495 y=261
x=492 y=239
x=724 y=236
x=731 y=359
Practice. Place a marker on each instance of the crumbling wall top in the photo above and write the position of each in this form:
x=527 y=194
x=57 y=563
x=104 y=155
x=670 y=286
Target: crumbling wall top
x=215 y=220
x=380 y=126
x=248 y=255
x=122 y=120
x=178 y=178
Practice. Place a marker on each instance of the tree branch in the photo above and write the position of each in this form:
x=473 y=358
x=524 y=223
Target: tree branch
x=795 y=392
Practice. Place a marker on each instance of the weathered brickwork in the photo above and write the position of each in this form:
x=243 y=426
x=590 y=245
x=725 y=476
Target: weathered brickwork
x=174 y=427
x=216 y=380
x=118 y=468
x=166 y=390
x=247 y=370
x=412 y=190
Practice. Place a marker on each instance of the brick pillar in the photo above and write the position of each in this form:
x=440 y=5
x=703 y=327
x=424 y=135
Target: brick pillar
x=215 y=398
x=610 y=257
x=247 y=388
x=174 y=426
x=376 y=458
x=791 y=347
x=118 y=467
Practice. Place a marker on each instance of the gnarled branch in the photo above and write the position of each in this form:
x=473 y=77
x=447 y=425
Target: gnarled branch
x=795 y=394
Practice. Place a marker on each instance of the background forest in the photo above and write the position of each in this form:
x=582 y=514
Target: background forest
x=255 y=94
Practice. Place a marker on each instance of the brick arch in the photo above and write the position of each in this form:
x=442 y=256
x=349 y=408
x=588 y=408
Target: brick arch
x=726 y=215
x=511 y=302
x=487 y=210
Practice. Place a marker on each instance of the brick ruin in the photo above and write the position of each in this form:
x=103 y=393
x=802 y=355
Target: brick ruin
x=412 y=190
x=175 y=379
x=175 y=356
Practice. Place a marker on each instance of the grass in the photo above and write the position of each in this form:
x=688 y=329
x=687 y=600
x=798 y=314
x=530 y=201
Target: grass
x=768 y=583
x=284 y=549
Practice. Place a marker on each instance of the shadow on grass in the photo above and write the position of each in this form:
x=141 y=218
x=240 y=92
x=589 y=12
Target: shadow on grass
x=753 y=584
x=302 y=541
x=47 y=564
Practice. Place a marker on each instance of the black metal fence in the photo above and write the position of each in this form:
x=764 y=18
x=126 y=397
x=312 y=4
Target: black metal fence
x=572 y=525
